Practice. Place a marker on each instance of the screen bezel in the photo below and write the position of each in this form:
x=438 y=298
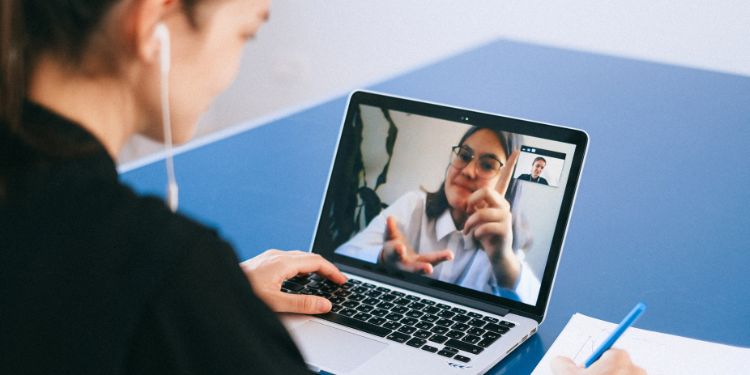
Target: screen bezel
x=469 y=117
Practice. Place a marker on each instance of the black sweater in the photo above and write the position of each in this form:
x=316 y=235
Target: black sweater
x=97 y=280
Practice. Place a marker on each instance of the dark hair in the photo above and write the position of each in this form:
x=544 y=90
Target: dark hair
x=539 y=158
x=30 y=28
x=437 y=202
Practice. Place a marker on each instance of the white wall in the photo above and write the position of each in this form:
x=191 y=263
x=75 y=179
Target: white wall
x=314 y=49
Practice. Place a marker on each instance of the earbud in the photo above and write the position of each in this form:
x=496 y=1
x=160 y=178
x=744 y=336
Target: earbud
x=161 y=33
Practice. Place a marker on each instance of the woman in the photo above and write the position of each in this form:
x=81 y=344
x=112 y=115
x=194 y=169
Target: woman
x=94 y=279
x=463 y=233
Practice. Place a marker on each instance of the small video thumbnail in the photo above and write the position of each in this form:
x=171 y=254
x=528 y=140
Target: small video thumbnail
x=539 y=166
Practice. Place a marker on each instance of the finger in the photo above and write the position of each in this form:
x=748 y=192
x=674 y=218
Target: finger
x=564 y=366
x=506 y=172
x=420 y=267
x=487 y=215
x=305 y=263
x=436 y=257
x=485 y=198
x=300 y=303
x=392 y=231
x=491 y=229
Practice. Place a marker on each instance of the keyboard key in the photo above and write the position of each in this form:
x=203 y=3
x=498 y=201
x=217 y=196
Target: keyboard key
x=474 y=315
x=477 y=322
x=379 y=312
x=374 y=294
x=398 y=337
x=364 y=308
x=336 y=308
x=382 y=289
x=438 y=338
x=416 y=342
x=455 y=334
x=368 y=285
x=409 y=321
x=460 y=345
x=430 y=349
x=393 y=316
x=446 y=314
x=414 y=313
x=407 y=329
x=417 y=306
x=490 y=319
x=354 y=281
x=357 y=297
x=356 y=324
x=448 y=352
x=413 y=298
x=461 y=327
x=443 y=306
x=428 y=302
x=431 y=309
x=391 y=325
x=389 y=297
x=377 y=321
x=402 y=302
x=359 y=289
x=422 y=334
x=423 y=325
x=400 y=309
x=348 y=312
x=292 y=286
x=485 y=343
x=507 y=324
x=458 y=310
x=362 y=316
x=471 y=339
x=491 y=335
x=350 y=304
x=371 y=301
x=386 y=305
x=461 y=358
x=444 y=322
x=439 y=329
x=430 y=318
x=397 y=293
x=461 y=318
x=476 y=332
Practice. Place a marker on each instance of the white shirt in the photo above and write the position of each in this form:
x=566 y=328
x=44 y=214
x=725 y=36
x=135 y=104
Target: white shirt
x=470 y=267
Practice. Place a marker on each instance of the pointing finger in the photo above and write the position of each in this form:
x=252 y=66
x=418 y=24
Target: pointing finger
x=506 y=172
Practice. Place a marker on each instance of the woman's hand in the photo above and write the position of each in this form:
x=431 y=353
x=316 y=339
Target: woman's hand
x=491 y=222
x=397 y=253
x=612 y=362
x=269 y=270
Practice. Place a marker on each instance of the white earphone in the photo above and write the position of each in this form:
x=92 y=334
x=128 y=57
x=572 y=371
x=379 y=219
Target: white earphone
x=161 y=33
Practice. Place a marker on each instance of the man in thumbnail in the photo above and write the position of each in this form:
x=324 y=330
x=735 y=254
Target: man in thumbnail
x=536 y=171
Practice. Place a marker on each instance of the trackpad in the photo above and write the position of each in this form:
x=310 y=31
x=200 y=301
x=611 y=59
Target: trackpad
x=333 y=348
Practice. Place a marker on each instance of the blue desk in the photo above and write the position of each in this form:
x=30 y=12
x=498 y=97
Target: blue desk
x=663 y=210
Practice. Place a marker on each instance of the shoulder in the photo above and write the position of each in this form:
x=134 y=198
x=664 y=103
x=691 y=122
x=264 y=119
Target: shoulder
x=524 y=177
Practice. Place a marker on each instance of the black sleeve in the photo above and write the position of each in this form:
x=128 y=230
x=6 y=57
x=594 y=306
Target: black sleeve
x=206 y=320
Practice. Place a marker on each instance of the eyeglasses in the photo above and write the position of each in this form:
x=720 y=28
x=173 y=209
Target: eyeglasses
x=488 y=166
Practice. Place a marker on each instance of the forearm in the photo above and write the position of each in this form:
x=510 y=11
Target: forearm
x=507 y=268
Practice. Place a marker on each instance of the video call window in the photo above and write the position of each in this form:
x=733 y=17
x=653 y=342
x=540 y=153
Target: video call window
x=539 y=166
x=394 y=208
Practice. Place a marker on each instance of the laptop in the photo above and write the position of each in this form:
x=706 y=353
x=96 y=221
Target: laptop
x=450 y=224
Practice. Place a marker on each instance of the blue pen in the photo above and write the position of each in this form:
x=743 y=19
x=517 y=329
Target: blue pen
x=624 y=324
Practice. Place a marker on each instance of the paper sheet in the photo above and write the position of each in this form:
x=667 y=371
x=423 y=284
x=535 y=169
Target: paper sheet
x=657 y=353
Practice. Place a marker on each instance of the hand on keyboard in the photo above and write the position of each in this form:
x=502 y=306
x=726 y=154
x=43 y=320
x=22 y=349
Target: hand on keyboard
x=269 y=270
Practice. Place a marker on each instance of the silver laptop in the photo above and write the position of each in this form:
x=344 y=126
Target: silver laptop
x=450 y=224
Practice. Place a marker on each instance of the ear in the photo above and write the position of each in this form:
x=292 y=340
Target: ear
x=141 y=19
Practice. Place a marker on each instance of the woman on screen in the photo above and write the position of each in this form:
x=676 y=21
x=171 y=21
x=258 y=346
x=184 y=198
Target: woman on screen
x=461 y=234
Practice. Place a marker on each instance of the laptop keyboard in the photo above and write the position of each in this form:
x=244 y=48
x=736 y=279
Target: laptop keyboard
x=404 y=318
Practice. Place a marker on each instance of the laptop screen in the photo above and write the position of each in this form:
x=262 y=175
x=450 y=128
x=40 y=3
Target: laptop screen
x=467 y=202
